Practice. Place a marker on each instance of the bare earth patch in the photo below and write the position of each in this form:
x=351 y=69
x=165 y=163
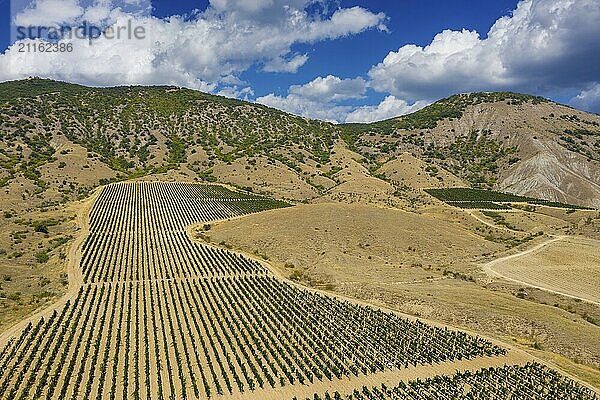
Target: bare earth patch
x=568 y=265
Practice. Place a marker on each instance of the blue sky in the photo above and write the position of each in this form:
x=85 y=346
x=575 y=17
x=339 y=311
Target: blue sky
x=412 y=21
x=344 y=61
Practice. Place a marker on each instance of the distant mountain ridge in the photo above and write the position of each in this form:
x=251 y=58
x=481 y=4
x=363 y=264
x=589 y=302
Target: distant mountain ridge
x=519 y=143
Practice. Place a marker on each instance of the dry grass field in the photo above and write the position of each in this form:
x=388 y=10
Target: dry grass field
x=397 y=259
x=34 y=253
x=343 y=244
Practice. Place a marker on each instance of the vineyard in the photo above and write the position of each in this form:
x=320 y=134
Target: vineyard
x=160 y=316
x=138 y=232
x=531 y=381
x=479 y=205
x=489 y=199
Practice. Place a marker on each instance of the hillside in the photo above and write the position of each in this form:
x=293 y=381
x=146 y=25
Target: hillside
x=369 y=229
x=151 y=313
x=429 y=265
x=59 y=140
x=516 y=143
x=135 y=131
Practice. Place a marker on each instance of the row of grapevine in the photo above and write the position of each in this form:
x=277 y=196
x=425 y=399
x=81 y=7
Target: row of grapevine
x=170 y=205
x=138 y=232
x=482 y=198
x=479 y=205
x=532 y=381
x=203 y=336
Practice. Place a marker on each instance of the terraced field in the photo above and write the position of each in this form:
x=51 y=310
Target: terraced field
x=161 y=316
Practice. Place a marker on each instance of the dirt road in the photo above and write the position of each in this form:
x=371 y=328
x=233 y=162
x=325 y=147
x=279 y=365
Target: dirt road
x=490 y=269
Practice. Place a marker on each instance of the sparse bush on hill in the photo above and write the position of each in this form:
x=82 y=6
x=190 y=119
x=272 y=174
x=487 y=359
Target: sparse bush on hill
x=41 y=227
x=42 y=256
x=531 y=381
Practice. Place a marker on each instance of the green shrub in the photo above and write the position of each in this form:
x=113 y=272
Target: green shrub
x=42 y=256
x=41 y=227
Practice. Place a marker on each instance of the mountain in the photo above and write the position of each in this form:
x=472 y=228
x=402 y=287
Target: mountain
x=516 y=143
x=67 y=138
x=59 y=140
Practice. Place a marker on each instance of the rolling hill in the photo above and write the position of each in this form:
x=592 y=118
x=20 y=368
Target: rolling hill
x=59 y=140
x=516 y=143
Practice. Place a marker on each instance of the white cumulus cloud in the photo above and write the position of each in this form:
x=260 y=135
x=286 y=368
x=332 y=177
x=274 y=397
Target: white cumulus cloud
x=588 y=100
x=201 y=51
x=388 y=108
x=306 y=107
x=49 y=13
x=319 y=98
x=543 y=46
x=323 y=98
x=331 y=88
x=236 y=93
x=280 y=64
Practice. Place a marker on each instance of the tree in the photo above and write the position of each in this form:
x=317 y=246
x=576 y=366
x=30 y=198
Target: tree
x=41 y=227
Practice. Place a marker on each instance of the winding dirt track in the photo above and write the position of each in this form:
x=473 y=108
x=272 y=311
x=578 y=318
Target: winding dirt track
x=515 y=355
x=489 y=268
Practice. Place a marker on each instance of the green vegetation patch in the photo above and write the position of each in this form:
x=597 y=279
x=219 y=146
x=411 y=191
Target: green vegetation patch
x=482 y=198
x=499 y=219
x=34 y=87
x=129 y=128
x=582 y=141
x=475 y=157
x=42 y=256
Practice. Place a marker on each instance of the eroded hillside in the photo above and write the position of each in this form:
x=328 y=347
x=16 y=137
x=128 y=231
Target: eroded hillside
x=521 y=144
